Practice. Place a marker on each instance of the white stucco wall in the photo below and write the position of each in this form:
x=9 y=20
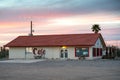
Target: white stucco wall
x=51 y=52
x=98 y=44
x=71 y=53
x=54 y=52
x=15 y=52
x=29 y=55
x=90 y=53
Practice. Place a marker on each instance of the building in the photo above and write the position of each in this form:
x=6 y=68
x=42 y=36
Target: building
x=67 y=46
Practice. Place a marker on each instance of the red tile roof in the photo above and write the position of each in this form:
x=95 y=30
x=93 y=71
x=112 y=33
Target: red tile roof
x=55 y=40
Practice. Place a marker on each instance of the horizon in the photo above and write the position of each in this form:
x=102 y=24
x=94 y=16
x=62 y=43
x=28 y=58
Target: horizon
x=59 y=17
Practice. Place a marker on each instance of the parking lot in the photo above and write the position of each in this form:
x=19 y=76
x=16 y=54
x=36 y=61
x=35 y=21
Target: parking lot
x=62 y=70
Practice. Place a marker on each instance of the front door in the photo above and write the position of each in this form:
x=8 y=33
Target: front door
x=64 y=53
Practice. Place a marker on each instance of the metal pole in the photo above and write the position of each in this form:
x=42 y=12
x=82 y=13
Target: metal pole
x=25 y=52
x=31 y=29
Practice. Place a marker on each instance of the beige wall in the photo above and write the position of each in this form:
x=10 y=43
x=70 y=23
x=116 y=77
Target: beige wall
x=98 y=44
x=15 y=52
x=54 y=52
x=90 y=53
x=51 y=52
x=71 y=53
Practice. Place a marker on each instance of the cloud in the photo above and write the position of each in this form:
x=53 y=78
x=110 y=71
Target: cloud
x=111 y=34
x=6 y=3
x=68 y=6
x=113 y=43
x=59 y=16
x=22 y=10
x=86 y=6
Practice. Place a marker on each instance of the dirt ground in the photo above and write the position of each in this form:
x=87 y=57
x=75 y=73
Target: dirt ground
x=62 y=70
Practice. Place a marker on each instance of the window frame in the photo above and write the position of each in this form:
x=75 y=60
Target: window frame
x=81 y=47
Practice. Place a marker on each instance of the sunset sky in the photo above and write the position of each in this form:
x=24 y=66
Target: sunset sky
x=59 y=17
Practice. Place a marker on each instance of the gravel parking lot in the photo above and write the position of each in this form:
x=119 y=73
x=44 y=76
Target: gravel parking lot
x=62 y=70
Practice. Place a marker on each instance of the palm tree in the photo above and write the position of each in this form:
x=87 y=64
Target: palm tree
x=95 y=28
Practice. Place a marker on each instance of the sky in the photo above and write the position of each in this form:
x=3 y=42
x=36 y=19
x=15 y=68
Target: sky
x=59 y=17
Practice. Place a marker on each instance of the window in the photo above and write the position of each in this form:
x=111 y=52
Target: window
x=97 y=51
x=94 y=52
x=100 y=51
x=81 y=52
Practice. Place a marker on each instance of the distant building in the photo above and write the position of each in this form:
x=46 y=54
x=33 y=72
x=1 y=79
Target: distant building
x=67 y=46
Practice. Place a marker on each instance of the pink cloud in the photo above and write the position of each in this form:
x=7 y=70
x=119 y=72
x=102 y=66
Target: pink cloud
x=48 y=22
x=113 y=43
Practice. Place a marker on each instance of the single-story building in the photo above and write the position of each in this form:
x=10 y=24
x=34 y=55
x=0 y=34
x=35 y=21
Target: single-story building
x=65 y=46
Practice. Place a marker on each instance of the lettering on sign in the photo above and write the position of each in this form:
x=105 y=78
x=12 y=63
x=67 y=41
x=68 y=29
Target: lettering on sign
x=39 y=52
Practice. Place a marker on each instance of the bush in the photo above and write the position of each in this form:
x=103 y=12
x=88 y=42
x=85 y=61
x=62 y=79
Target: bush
x=4 y=53
x=108 y=57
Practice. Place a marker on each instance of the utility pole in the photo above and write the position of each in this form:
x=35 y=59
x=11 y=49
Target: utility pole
x=31 y=30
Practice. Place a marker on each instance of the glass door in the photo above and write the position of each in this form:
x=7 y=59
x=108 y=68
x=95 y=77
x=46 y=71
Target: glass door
x=64 y=53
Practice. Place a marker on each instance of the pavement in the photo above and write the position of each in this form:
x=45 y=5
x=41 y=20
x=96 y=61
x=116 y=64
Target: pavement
x=62 y=70
x=22 y=61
